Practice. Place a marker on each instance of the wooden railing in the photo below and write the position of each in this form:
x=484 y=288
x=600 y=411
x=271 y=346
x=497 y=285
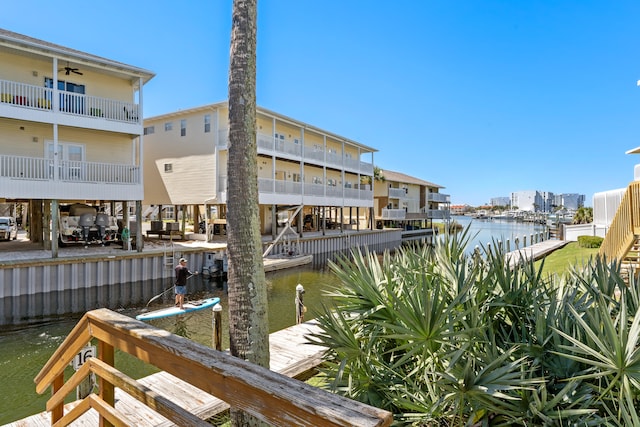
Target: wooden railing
x=271 y=397
x=625 y=225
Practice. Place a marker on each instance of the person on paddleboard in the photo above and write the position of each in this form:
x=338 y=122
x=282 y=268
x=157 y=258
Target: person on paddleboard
x=182 y=274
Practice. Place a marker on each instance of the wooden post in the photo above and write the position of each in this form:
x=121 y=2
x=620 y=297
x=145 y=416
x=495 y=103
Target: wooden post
x=58 y=412
x=106 y=353
x=217 y=327
x=300 y=308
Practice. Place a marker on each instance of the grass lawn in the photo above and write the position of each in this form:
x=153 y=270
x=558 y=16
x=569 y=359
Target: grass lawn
x=559 y=261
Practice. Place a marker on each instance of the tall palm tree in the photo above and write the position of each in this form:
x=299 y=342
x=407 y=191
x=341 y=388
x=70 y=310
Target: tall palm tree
x=248 y=322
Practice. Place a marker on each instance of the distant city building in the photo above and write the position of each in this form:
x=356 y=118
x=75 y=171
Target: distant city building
x=571 y=201
x=545 y=201
x=530 y=200
x=500 y=201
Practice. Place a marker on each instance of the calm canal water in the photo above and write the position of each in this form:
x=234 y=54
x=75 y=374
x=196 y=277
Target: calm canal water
x=483 y=231
x=24 y=351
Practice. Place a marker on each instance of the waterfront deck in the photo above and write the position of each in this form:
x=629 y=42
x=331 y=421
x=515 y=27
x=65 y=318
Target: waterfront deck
x=290 y=356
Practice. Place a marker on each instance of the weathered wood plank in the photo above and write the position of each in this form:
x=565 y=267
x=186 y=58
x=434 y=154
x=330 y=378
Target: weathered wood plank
x=290 y=355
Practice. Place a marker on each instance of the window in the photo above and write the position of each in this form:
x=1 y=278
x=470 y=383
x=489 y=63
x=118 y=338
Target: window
x=207 y=123
x=317 y=180
x=183 y=127
x=168 y=126
x=318 y=147
x=296 y=141
x=68 y=102
x=297 y=177
x=348 y=184
x=168 y=167
x=332 y=182
x=149 y=130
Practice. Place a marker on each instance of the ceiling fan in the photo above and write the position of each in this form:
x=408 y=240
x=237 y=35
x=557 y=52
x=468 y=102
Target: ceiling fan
x=68 y=69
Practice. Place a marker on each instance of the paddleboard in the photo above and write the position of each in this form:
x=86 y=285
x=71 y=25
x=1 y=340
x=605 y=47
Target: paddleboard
x=174 y=311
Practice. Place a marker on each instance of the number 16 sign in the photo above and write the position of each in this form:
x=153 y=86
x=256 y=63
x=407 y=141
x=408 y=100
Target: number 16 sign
x=83 y=355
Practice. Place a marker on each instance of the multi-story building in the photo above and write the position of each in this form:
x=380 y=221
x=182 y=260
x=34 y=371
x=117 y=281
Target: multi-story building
x=571 y=201
x=404 y=199
x=306 y=175
x=70 y=126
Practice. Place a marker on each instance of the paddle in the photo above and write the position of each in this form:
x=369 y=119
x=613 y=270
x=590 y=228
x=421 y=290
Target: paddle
x=164 y=292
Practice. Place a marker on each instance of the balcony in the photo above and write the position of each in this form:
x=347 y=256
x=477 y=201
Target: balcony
x=283 y=188
x=438 y=198
x=437 y=213
x=270 y=145
x=39 y=98
x=41 y=169
x=397 y=193
x=393 y=214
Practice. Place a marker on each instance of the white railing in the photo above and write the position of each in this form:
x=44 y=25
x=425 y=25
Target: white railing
x=277 y=186
x=438 y=198
x=394 y=214
x=437 y=213
x=334 y=159
x=223 y=139
x=43 y=169
x=314 y=189
x=397 y=193
x=268 y=144
x=23 y=167
x=40 y=98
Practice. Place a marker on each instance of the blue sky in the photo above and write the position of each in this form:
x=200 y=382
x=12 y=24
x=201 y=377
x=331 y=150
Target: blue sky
x=481 y=97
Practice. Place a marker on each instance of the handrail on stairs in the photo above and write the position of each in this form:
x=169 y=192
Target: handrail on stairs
x=267 y=395
x=625 y=226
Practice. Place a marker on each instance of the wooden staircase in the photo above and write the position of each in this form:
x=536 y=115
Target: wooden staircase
x=622 y=242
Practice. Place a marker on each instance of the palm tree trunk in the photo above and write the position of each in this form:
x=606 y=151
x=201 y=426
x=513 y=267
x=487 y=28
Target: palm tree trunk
x=248 y=322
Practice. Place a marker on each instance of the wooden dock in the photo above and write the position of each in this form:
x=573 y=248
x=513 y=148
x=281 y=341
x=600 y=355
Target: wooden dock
x=290 y=355
x=535 y=251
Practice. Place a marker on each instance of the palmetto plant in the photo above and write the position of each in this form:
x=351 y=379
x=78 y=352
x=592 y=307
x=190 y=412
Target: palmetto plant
x=441 y=337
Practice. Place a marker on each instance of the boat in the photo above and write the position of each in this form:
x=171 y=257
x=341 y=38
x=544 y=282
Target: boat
x=279 y=262
x=174 y=311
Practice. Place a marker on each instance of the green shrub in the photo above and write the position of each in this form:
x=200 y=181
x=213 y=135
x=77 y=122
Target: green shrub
x=590 y=241
x=440 y=337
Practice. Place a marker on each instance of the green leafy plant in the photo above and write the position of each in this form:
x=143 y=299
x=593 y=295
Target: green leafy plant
x=441 y=337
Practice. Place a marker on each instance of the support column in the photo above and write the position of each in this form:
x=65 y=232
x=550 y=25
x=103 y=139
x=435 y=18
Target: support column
x=274 y=221
x=46 y=227
x=139 y=238
x=55 y=218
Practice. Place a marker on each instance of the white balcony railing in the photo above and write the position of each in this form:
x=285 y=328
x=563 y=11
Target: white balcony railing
x=438 y=198
x=394 y=214
x=397 y=193
x=291 y=188
x=39 y=98
x=270 y=145
x=437 y=213
x=35 y=168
